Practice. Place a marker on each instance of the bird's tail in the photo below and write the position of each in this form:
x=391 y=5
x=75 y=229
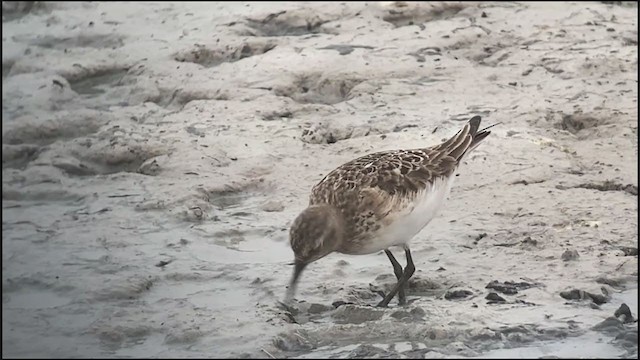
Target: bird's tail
x=477 y=135
x=467 y=139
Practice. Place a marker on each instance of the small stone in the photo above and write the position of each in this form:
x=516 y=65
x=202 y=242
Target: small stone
x=629 y=251
x=624 y=314
x=457 y=294
x=163 y=263
x=337 y=304
x=569 y=255
x=493 y=297
x=508 y=287
x=576 y=294
x=272 y=206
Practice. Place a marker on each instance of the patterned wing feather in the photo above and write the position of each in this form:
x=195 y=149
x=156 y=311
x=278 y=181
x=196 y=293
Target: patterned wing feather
x=392 y=179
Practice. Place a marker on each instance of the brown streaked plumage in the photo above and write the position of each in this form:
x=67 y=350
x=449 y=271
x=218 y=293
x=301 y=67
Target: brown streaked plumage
x=378 y=201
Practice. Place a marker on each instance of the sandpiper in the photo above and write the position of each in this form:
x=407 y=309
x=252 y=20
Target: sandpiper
x=378 y=201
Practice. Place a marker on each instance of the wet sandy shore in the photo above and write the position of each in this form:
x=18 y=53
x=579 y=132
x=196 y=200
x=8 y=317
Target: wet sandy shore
x=155 y=154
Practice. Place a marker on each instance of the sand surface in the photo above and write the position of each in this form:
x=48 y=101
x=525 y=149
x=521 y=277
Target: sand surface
x=154 y=156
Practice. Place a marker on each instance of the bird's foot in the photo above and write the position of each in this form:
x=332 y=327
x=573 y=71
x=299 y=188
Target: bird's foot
x=383 y=296
x=382 y=304
x=287 y=306
x=282 y=306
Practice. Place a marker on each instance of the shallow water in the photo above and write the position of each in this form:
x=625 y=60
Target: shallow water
x=35 y=299
x=587 y=346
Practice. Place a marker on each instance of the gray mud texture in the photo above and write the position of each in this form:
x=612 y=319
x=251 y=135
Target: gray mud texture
x=154 y=156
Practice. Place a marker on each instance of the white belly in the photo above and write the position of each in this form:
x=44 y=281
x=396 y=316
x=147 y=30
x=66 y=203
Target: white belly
x=412 y=219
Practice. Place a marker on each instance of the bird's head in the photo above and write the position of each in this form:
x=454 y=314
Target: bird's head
x=315 y=233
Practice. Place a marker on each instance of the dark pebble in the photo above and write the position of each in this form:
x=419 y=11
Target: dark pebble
x=495 y=297
x=576 y=294
x=163 y=263
x=457 y=294
x=569 y=255
x=508 y=287
x=337 y=304
x=629 y=251
x=624 y=314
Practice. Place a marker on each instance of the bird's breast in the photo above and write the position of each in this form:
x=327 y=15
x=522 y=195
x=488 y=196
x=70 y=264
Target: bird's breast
x=405 y=221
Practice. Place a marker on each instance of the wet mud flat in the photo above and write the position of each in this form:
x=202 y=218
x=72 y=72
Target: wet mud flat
x=154 y=156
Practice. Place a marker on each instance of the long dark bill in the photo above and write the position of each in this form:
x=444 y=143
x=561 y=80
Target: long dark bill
x=299 y=266
x=490 y=126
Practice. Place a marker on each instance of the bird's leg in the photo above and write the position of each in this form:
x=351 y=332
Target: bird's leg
x=410 y=268
x=397 y=269
x=408 y=272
